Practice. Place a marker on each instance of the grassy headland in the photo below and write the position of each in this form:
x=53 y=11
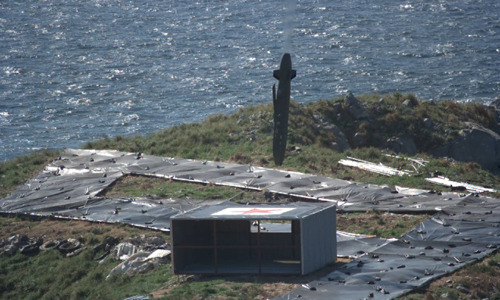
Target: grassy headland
x=320 y=134
x=323 y=132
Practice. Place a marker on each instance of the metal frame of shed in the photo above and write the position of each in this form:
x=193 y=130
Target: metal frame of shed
x=230 y=238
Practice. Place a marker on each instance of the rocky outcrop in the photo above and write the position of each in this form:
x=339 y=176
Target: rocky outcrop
x=341 y=143
x=402 y=145
x=356 y=109
x=141 y=262
x=474 y=144
x=469 y=134
x=140 y=255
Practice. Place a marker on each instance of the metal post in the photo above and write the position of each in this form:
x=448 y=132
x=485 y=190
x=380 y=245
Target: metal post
x=215 y=246
x=259 y=250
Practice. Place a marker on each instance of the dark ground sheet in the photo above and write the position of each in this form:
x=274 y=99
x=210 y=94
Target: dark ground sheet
x=463 y=229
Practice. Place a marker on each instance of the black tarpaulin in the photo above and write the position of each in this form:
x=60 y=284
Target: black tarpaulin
x=463 y=229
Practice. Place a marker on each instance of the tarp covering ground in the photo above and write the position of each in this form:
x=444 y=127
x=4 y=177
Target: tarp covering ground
x=463 y=230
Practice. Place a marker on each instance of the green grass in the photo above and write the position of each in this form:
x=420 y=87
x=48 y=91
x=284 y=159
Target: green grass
x=18 y=170
x=49 y=275
x=378 y=223
x=140 y=186
x=211 y=288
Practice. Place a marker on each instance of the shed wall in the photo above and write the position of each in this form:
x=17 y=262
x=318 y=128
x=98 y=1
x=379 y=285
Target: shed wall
x=319 y=240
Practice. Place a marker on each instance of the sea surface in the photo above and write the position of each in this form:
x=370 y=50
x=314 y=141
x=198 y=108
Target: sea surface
x=78 y=70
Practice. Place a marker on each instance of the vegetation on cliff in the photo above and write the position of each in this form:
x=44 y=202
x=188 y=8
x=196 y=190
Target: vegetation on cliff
x=323 y=132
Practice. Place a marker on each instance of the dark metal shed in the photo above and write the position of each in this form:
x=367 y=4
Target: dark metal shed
x=231 y=238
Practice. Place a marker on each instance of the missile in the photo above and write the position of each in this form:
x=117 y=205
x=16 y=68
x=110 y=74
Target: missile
x=281 y=103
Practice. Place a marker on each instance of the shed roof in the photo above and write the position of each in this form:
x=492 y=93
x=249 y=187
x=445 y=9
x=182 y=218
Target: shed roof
x=232 y=211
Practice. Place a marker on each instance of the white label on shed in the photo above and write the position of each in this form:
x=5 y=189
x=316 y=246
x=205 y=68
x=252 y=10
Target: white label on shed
x=252 y=211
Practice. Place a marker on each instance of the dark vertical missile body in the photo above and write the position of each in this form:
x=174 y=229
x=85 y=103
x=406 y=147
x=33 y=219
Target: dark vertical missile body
x=281 y=101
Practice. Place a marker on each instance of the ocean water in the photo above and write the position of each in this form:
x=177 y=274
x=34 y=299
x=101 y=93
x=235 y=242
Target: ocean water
x=73 y=71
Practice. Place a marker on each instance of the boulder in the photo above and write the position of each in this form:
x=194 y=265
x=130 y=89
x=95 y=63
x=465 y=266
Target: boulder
x=14 y=243
x=356 y=108
x=341 y=143
x=477 y=144
x=124 y=250
x=359 y=140
x=18 y=240
x=428 y=124
x=141 y=262
x=496 y=103
x=135 y=262
x=32 y=247
x=402 y=145
x=155 y=240
x=10 y=250
x=408 y=103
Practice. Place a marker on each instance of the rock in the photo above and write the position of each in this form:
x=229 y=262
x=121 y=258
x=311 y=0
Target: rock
x=10 y=250
x=124 y=251
x=428 y=124
x=462 y=289
x=141 y=262
x=155 y=240
x=18 y=240
x=359 y=140
x=350 y=100
x=341 y=142
x=134 y=261
x=32 y=247
x=408 y=103
x=477 y=144
x=160 y=254
x=14 y=243
x=110 y=242
x=496 y=103
x=402 y=145
x=295 y=149
x=356 y=108
x=152 y=243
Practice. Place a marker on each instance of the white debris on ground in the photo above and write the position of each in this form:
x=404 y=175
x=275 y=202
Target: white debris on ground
x=139 y=255
x=454 y=184
x=141 y=262
x=416 y=163
x=373 y=167
x=125 y=250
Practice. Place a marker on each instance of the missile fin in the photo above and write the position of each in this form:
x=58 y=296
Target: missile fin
x=276 y=74
x=274 y=94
